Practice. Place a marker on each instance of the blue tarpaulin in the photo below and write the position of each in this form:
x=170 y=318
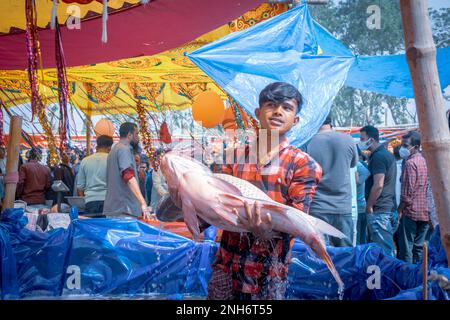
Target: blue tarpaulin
x=124 y=257
x=293 y=48
x=283 y=48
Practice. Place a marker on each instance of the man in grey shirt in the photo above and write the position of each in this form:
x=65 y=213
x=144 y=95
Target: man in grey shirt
x=123 y=195
x=336 y=153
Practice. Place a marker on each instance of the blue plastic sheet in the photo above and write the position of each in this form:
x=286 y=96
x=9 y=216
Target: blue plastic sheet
x=123 y=257
x=292 y=47
x=390 y=74
x=283 y=48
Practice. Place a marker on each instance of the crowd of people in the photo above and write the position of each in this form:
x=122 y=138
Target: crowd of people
x=394 y=204
x=394 y=201
x=366 y=191
x=103 y=179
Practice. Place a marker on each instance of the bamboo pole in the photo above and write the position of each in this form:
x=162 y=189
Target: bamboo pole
x=88 y=135
x=421 y=57
x=425 y=271
x=12 y=161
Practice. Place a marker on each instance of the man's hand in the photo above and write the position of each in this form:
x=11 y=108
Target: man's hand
x=369 y=210
x=400 y=210
x=147 y=213
x=261 y=228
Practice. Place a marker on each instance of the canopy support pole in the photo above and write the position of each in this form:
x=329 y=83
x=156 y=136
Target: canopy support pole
x=88 y=123
x=421 y=57
x=12 y=161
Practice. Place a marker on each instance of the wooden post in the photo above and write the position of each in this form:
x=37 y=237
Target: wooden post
x=425 y=271
x=88 y=135
x=12 y=161
x=421 y=57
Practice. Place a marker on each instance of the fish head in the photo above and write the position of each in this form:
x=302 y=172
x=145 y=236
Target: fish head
x=174 y=166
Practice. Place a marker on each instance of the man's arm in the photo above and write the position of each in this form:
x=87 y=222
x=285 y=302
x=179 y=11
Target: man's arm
x=304 y=182
x=408 y=180
x=81 y=181
x=133 y=184
x=355 y=156
x=375 y=192
x=21 y=183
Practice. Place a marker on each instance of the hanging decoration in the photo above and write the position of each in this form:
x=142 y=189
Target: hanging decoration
x=2 y=136
x=62 y=88
x=208 y=109
x=164 y=133
x=34 y=56
x=146 y=135
x=33 y=53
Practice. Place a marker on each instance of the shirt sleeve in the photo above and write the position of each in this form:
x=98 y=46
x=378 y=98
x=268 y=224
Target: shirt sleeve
x=124 y=159
x=408 y=183
x=81 y=177
x=20 y=184
x=379 y=165
x=306 y=177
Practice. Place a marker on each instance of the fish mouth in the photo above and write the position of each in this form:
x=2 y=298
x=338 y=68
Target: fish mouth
x=276 y=122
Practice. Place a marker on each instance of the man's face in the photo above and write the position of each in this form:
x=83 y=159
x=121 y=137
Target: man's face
x=278 y=116
x=407 y=143
x=137 y=159
x=135 y=136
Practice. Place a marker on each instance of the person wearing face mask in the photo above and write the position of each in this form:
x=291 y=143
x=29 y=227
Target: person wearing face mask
x=380 y=190
x=123 y=195
x=413 y=209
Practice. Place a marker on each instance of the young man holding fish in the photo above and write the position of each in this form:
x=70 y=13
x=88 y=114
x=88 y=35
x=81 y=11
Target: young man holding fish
x=254 y=265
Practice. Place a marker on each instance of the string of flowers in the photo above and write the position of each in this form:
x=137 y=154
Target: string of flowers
x=146 y=136
x=62 y=88
x=34 y=56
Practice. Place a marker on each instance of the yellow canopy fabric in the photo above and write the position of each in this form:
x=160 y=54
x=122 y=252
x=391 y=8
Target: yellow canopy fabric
x=167 y=81
x=12 y=12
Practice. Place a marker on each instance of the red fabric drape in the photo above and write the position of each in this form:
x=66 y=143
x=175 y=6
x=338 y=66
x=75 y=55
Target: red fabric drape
x=141 y=30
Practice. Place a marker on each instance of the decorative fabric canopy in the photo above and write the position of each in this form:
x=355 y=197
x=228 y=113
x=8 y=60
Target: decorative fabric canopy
x=284 y=48
x=161 y=82
x=13 y=15
x=140 y=30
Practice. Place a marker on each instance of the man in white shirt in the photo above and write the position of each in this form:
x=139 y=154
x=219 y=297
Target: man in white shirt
x=91 y=179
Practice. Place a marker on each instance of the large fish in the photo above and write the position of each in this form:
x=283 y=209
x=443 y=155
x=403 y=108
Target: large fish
x=213 y=198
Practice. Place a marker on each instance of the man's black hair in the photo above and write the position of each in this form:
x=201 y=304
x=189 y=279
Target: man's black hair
x=104 y=141
x=126 y=128
x=415 y=138
x=34 y=154
x=397 y=151
x=328 y=120
x=371 y=132
x=279 y=92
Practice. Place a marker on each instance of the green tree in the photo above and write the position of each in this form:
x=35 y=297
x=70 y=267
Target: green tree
x=347 y=20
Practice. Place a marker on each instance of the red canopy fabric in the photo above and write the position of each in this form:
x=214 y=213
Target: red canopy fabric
x=142 y=30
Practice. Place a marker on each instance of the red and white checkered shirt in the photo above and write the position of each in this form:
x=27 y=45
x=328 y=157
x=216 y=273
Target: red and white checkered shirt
x=291 y=179
x=414 y=188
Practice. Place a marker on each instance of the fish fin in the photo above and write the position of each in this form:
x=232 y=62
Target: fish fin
x=190 y=218
x=271 y=206
x=325 y=228
x=230 y=199
x=224 y=185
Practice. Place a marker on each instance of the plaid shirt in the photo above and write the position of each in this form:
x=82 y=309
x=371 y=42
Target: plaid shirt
x=414 y=188
x=255 y=263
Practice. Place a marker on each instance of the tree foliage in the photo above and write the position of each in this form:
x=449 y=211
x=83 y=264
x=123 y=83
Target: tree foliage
x=348 y=21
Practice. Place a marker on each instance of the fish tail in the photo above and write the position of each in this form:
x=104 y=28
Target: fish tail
x=321 y=251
